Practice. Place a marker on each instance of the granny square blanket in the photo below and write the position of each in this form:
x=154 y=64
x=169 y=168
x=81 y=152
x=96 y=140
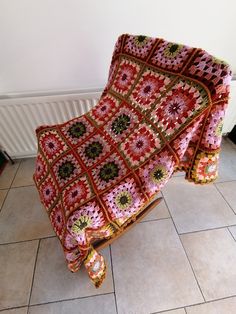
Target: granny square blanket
x=161 y=111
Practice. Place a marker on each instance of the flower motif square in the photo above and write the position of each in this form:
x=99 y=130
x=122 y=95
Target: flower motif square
x=40 y=168
x=181 y=142
x=149 y=89
x=139 y=46
x=105 y=108
x=77 y=130
x=76 y=193
x=186 y=160
x=122 y=123
x=171 y=56
x=179 y=106
x=111 y=75
x=52 y=144
x=155 y=173
x=48 y=192
x=93 y=150
x=124 y=200
x=66 y=169
x=87 y=217
x=212 y=135
x=58 y=220
x=205 y=168
x=125 y=76
x=108 y=172
x=140 y=144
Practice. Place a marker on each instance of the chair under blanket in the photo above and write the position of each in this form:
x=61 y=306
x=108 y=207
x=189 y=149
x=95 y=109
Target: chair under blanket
x=161 y=111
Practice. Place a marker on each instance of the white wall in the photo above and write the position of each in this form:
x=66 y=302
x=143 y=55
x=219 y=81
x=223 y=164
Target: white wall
x=67 y=44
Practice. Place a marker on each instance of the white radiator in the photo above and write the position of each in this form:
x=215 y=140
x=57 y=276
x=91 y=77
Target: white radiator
x=20 y=115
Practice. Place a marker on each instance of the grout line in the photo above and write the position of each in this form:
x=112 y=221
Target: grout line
x=32 y=282
x=16 y=242
x=15 y=174
x=216 y=182
x=186 y=253
x=14 y=308
x=52 y=302
x=209 y=229
x=10 y=185
x=185 y=307
x=231 y=234
x=71 y=299
x=4 y=197
x=22 y=186
x=224 y=198
x=155 y=219
x=212 y=301
x=113 y=279
x=169 y=310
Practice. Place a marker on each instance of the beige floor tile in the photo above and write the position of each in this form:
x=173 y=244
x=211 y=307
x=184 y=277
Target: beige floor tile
x=3 y=194
x=22 y=216
x=104 y=304
x=196 y=207
x=233 y=231
x=22 y=310
x=159 y=212
x=25 y=172
x=226 y=306
x=213 y=257
x=228 y=190
x=16 y=271
x=52 y=272
x=151 y=270
x=227 y=167
x=8 y=174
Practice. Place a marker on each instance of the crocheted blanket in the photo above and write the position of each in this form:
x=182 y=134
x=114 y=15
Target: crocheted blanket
x=162 y=110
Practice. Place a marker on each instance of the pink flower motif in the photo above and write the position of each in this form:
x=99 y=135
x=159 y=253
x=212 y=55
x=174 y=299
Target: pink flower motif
x=171 y=55
x=88 y=216
x=139 y=46
x=40 y=168
x=156 y=172
x=181 y=103
x=76 y=193
x=70 y=242
x=125 y=77
x=181 y=143
x=111 y=74
x=176 y=107
x=48 y=192
x=140 y=144
x=104 y=109
x=51 y=144
x=58 y=220
x=213 y=131
x=124 y=200
x=149 y=89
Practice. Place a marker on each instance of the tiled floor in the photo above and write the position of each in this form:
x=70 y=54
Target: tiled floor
x=181 y=259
